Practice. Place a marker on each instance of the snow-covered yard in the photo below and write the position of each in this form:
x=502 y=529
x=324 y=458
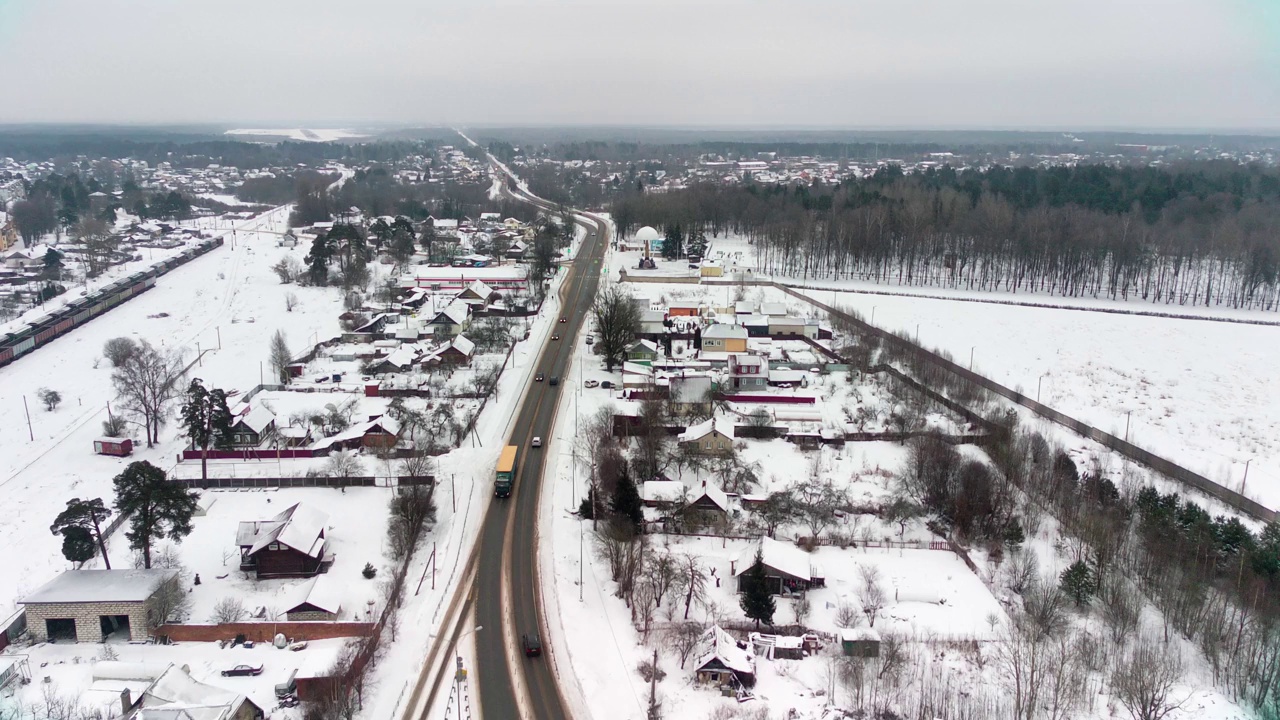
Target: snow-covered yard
x=354 y=533
x=227 y=303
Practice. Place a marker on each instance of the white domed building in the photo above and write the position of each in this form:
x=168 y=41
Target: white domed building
x=647 y=234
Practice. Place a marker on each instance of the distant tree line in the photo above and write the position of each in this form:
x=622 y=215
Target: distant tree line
x=377 y=192
x=1197 y=234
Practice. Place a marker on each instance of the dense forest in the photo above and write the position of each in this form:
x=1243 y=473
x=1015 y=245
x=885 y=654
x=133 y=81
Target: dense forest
x=1202 y=233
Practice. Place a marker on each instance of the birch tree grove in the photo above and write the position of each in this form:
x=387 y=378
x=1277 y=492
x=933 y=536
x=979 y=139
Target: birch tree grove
x=1193 y=234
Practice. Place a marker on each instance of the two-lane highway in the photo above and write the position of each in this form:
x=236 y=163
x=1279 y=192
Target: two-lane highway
x=510 y=536
x=500 y=581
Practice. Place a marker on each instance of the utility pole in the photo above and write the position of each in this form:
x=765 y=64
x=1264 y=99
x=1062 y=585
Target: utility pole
x=1246 y=475
x=1127 y=415
x=30 y=433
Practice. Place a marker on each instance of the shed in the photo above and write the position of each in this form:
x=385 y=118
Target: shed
x=91 y=605
x=863 y=642
x=320 y=598
x=118 y=447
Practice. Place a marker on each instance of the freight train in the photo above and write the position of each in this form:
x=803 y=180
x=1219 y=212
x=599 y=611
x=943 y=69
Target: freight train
x=30 y=336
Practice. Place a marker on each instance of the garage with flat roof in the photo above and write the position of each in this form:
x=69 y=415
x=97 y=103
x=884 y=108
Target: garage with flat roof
x=96 y=605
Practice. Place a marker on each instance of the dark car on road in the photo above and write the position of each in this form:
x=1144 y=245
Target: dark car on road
x=537 y=378
x=242 y=671
x=555 y=337
x=532 y=645
x=555 y=379
x=564 y=319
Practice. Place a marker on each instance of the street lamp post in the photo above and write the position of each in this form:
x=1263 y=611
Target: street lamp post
x=461 y=673
x=1246 y=475
x=1039 y=382
x=971 y=357
x=1127 y=415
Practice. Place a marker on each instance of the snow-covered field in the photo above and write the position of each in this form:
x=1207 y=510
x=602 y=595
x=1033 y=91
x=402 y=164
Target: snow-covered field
x=227 y=298
x=1203 y=394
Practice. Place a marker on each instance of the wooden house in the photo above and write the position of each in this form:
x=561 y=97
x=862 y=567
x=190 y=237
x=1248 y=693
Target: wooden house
x=723 y=662
x=787 y=568
x=252 y=427
x=725 y=338
x=712 y=436
x=291 y=544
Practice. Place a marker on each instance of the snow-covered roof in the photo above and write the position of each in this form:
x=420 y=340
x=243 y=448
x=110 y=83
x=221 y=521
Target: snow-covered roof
x=321 y=592
x=298 y=526
x=258 y=418
x=84 y=586
x=716 y=644
x=787 y=375
x=175 y=695
x=859 y=633
x=778 y=555
x=690 y=389
x=463 y=345
x=773 y=308
x=713 y=493
x=662 y=490
x=455 y=312
x=480 y=289
x=649 y=345
x=721 y=424
x=745 y=360
x=721 y=331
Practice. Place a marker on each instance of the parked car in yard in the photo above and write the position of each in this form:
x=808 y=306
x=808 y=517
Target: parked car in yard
x=606 y=384
x=242 y=671
x=591 y=339
x=590 y=383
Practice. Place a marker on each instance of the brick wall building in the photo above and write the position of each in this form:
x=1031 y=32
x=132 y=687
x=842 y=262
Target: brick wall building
x=91 y=605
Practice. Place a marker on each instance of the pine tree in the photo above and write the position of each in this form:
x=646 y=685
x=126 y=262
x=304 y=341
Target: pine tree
x=206 y=420
x=82 y=518
x=157 y=508
x=625 y=503
x=1079 y=582
x=78 y=545
x=672 y=242
x=756 y=600
x=318 y=260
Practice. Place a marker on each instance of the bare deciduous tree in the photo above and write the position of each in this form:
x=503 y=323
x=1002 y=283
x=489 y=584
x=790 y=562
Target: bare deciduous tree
x=228 y=610
x=1144 y=679
x=280 y=357
x=147 y=381
x=682 y=638
x=345 y=463
x=290 y=301
x=870 y=592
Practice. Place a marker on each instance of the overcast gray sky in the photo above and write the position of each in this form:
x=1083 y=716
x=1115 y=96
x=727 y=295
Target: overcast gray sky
x=1137 y=64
